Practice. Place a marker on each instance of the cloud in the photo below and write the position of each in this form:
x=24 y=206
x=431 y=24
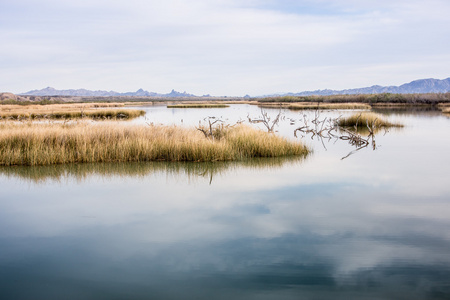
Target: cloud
x=216 y=46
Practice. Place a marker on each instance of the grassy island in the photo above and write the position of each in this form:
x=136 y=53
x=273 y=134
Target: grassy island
x=45 y=144
x=367 y=119
x=199 y=105
x=314 y=105
x=96 y=111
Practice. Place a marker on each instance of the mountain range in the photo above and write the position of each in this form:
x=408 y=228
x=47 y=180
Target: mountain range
x=420 y=86
x=49 y=91
x=429 y=85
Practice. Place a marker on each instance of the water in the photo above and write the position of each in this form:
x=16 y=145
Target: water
x=371 y=226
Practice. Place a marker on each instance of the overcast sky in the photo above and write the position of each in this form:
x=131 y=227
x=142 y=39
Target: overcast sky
x=221 y=47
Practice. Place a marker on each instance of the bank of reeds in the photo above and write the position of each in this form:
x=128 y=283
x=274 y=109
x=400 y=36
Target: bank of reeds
x=446 y=110
x=426 y=98
x=316 y=105
x=199 y=105
x=59 y=107
x=97 y=114
x=44 y=144
x=362 y=120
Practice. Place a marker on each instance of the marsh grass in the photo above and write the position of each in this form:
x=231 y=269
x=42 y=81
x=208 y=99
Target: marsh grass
x=363 y=120
x=315 y=105
x=199 y=105
x=390 y=98
x=44 y=144
x=68 y=111
x=318 y=105
x=57 y=107
x=446 y=110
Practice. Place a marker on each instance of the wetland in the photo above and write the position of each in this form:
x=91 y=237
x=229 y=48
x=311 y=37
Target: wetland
x=346 y=221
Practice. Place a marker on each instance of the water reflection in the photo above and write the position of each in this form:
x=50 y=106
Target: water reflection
x=372 y=227
x=181 y=170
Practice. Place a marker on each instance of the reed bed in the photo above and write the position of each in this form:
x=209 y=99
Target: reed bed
x=199 y=105
x=56 y=107
x=68 y=111
x=45 y=144
x=363 y=120
x=318 y=105
x=97 y=114
x=315 y=105
x=427 y=98
x=446 y=110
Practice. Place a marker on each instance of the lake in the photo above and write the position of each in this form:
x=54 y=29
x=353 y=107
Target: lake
x=370 y=225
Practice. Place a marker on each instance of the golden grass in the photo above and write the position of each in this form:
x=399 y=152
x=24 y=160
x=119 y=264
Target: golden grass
x=430 y=98
x=56 y=107
x=199 y=105
x=44 y=144
x=362 y=119
x=68 y=111
x=316 y=105
x=393 y=104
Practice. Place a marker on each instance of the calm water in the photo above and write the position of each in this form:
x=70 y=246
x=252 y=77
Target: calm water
x=374 y=225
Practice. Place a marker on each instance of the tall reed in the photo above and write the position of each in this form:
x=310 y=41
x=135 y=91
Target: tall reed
x=366 y=119
x=199 y=105
x=97 y=114
x=43 y=144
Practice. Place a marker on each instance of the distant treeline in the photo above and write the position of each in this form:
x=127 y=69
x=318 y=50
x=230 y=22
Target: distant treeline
x=429 y=98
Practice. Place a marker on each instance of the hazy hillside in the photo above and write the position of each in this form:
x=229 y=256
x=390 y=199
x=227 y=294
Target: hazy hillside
x=49 y=91
x=421 y=86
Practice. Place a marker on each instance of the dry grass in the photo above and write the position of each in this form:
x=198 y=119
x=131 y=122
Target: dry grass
x=56 y=107
x=198 y=105
x=429 y=98
x=44 y=144
x=446 y=110
x=68 y=111
x=319 y=105
x=400 y=105
x=366 y=119
x=315 y=105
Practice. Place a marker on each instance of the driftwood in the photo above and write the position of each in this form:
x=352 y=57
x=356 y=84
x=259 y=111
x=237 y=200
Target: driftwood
x=209 y=130
x=328 y=129
x=265 y=119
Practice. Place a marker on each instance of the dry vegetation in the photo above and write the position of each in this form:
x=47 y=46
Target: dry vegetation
x=199 y=105
x=429 y=98
x=43 y=144
x=68 y=111
x=445 y=108
x=315 y=105
x=364 y=120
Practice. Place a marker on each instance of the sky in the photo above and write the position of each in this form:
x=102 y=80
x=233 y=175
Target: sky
x=221 y=47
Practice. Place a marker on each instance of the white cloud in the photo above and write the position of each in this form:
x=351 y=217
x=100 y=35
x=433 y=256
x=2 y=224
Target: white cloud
x=218 y=47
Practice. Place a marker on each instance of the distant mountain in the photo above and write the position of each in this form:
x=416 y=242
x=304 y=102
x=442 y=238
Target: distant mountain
x=49 y=91
x=417 y=86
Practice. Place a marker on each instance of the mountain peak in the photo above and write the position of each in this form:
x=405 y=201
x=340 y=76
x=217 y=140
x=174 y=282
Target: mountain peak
x=50 y=91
